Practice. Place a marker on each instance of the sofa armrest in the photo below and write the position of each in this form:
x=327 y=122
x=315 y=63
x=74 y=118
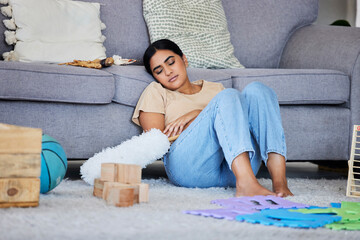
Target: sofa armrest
x=327 y=47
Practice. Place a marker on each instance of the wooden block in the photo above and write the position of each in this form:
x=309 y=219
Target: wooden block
x=18 y=192
x=108 y=172
x=120 y=196
x=123 y=173
x=14 y=139
x=143 y=192
x=19 y=204
x=109 y=185
x=129 y=173
x=20 y=165
x=98 y=187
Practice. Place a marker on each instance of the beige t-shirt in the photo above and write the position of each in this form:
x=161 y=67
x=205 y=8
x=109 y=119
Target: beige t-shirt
x=173 y=104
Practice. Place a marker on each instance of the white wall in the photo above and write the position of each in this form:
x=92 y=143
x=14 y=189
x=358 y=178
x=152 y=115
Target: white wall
x=332 y=10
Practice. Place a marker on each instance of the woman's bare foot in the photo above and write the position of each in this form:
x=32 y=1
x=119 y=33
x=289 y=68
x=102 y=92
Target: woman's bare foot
x=281 y=189
x=246 y=182
x=277 y=168
x=251 y=189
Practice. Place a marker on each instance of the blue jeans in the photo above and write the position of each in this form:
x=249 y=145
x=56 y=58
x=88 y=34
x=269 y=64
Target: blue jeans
x=232 y=123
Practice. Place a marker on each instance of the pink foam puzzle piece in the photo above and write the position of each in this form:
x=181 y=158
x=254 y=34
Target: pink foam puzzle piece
x=221 y=213
x=258 y=203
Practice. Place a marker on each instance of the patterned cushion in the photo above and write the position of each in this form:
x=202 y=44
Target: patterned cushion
x=198 y=27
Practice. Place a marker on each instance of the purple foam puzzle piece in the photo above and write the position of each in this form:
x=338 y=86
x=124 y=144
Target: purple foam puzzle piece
x=221 y=213
x=258 y=203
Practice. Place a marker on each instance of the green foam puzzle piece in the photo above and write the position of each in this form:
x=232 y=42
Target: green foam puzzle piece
x=344 y=226
x=349 y=211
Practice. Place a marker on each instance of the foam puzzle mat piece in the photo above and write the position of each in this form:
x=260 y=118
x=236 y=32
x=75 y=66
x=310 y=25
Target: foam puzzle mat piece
x=335 y=205
x=344 y=226
x=351 y=205
x=221 y=213
x=285 y=218
x=347 y=213
x=258 y=203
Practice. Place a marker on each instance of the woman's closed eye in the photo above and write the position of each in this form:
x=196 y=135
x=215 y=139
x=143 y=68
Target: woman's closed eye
x=169 y=62
x=158 y=71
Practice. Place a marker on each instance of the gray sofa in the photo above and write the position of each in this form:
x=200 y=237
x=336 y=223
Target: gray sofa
x=315 y=70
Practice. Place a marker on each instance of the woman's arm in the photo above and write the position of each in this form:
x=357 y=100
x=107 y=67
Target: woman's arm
x=149 y=120
x=176 y=127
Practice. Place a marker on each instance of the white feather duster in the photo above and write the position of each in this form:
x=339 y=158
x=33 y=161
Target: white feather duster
x=141 y=150
x=4 y=2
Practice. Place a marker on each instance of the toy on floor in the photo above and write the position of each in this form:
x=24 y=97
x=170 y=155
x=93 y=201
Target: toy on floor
x=258 y=203
x=221 y=213
x=349 y=212
x=53 y=164
x=120 y=185
x=20 y=149
x=140 y=150
x=285 y=218
x=245 y=205
x=353 y=184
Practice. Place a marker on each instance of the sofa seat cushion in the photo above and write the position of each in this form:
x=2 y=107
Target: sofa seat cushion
x=54 y=83
x=130 y=81
x=297 y=86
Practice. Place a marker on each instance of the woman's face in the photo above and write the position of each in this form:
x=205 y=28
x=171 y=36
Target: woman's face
x=169 y=69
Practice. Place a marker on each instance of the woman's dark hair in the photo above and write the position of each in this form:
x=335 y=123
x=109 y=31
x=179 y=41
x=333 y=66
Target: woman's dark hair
x=162 y=44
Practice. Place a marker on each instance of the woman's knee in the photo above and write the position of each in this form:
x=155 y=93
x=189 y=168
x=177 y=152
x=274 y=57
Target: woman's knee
x=227 y=95
x=258 y=90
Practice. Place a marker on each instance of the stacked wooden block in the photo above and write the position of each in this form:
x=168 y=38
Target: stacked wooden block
x=20 y=160
x=120 y=185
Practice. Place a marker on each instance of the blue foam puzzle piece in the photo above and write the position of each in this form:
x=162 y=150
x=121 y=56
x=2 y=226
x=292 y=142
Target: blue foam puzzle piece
x=285 y=218
x=335 y=205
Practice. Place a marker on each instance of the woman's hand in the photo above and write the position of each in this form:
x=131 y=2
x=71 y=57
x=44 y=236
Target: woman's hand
x=176 y=127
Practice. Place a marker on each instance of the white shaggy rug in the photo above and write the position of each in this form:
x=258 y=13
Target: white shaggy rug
x=71 y=212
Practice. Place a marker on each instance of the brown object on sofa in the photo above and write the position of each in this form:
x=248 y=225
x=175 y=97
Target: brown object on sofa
x=97 y=63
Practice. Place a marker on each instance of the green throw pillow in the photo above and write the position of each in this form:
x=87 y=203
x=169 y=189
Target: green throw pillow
x=198 y=27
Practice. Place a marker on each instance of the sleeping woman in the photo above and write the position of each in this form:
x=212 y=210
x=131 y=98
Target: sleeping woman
x=225 y=134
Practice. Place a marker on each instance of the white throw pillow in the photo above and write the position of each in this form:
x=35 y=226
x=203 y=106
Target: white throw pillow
x=54 y=31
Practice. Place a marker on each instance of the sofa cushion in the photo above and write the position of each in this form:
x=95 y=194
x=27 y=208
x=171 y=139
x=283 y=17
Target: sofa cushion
x=130 y=81
x=298 y=86
x=54 y=83
x=260 y=29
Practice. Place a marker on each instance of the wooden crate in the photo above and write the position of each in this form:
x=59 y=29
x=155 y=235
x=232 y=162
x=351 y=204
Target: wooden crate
x=353 y=184
x=20 y=166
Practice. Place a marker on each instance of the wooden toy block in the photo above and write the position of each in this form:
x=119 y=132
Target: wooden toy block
x=19 y=192
x=123 y=173
x=20 y=165
x=108 y=172
x=129 y=173
x=14 y=139
x=98 y=187
x=143 y=192
x=120 y=196
x=353 y=184
x=109 y=185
